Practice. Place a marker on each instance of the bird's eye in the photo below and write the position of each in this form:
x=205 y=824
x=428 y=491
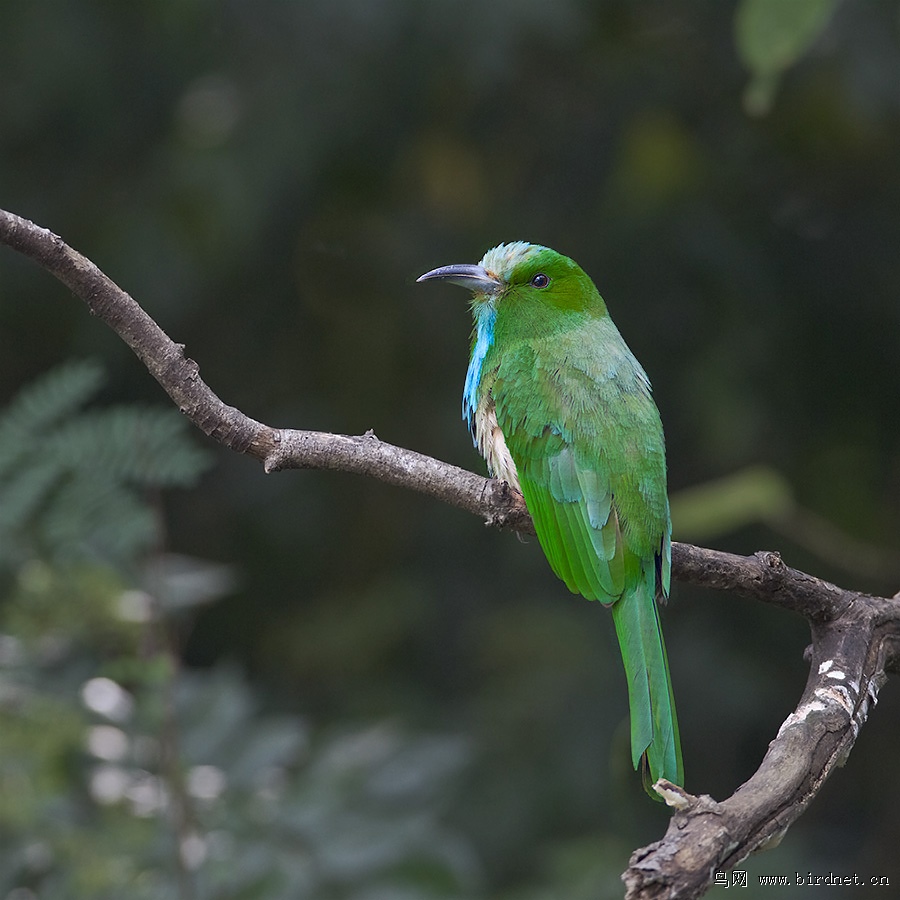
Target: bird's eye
x=540 y=280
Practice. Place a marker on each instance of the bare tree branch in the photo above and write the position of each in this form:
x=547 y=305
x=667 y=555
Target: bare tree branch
x=855 y=637
x=848 y=661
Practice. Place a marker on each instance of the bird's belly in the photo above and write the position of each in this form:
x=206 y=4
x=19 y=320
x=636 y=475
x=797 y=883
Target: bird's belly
x=492 y=444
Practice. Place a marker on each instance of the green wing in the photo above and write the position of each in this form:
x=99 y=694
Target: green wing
x=576 y=521
x=588 y=447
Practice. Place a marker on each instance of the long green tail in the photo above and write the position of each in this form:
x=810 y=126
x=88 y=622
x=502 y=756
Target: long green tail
x=654 y=725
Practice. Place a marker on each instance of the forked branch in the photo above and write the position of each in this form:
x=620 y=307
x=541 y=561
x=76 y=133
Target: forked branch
x=855 y=637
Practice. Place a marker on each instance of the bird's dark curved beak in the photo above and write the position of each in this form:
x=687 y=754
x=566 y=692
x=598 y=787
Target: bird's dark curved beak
x=475 y=278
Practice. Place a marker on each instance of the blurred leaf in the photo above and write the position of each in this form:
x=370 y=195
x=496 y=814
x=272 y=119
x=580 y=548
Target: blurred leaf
x=183 y=582
x=70 y=479
x=759 y=494
x=755 y=494
x=658 y=161
x=274 y=742
x=216 y=707
x=37 y=407
x=137 y=444
x=771 y=36
x=272 y=812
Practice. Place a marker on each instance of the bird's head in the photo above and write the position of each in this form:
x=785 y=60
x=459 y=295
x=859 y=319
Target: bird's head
x=524 y=273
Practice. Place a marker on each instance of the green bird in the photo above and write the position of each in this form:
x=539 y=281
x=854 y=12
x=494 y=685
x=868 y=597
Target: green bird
x=562 y=411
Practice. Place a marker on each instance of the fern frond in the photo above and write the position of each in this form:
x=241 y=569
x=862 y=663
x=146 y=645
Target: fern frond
x=70 y=480
x=55 y=395
x=95 y=518
x=134 y=444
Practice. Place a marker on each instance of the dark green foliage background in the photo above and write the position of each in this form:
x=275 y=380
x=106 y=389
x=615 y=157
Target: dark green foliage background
x=269 y=178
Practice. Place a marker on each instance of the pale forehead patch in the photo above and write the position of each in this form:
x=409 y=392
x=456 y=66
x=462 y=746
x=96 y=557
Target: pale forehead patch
x=501 y=260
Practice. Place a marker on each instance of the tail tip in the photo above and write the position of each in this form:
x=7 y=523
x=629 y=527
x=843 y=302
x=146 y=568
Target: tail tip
x=673 y=795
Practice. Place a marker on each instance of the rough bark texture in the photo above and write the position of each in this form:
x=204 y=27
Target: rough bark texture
x=847 y=668
x=855 y=637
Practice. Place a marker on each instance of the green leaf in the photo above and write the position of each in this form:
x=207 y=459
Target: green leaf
x=771 y=35
x=70 y=480
x=136 y=444
x=755 y=494
x=55 y=395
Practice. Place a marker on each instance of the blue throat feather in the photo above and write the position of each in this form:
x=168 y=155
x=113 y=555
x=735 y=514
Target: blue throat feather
x=485 y=317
